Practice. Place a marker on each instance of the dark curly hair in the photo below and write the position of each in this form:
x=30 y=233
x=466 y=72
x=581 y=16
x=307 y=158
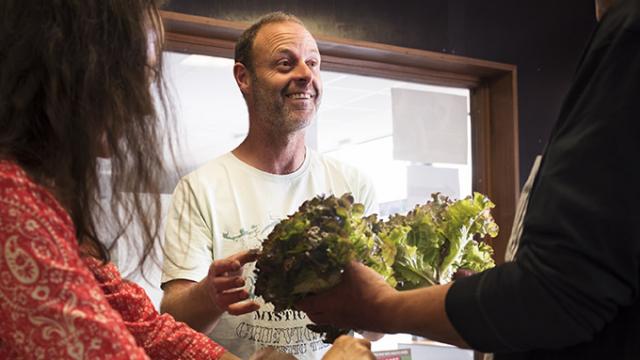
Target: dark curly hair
x=76 y=83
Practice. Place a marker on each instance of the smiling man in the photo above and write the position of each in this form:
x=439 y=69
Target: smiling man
x=231 y=203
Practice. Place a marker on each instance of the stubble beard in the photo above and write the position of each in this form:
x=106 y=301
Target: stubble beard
x=281 y=118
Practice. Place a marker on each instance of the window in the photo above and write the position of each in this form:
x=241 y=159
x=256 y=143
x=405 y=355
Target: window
x=355 y=124
x=492 y=96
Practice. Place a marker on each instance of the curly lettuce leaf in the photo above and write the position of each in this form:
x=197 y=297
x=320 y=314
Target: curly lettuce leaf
x=477 y=257
x=440 y=231
x=307 y=252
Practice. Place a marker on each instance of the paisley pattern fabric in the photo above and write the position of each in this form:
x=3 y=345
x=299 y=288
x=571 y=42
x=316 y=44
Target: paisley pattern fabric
x=56 y=305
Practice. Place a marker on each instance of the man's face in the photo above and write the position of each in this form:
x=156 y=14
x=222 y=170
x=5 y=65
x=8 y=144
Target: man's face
x=285 y=84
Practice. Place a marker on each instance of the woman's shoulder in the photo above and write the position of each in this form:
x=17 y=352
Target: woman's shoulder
x=20 y=195
x=13 y=177
x=30 y=217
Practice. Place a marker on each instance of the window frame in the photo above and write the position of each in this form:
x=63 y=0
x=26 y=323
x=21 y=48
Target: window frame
x=492 y=87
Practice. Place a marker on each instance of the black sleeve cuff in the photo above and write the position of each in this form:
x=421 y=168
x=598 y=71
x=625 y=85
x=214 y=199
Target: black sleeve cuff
x=467 y=315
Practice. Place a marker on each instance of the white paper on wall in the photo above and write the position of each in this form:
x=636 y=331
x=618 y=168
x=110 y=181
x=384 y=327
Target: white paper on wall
x=424 y=180
x=429 y=127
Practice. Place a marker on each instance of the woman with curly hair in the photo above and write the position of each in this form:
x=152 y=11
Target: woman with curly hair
x=75 y=85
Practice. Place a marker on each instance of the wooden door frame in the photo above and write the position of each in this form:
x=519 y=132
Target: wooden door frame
x=493 y=92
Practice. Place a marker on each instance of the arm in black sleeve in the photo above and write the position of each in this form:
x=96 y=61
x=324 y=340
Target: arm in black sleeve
x=579 y=258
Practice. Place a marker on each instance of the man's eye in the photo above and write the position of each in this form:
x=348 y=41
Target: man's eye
x=312 y=63
x=284 y=63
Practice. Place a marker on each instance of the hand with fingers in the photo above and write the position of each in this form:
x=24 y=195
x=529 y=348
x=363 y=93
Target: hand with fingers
x=363 y=300
x=224 y=284
x=359 y=301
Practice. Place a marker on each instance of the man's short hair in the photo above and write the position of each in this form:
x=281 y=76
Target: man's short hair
x=244 y=45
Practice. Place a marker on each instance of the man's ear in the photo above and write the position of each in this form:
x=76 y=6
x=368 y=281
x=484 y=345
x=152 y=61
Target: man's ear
x=243 y=78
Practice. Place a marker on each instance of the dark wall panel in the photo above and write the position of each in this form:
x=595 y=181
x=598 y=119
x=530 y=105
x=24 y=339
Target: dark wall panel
x=544 y=38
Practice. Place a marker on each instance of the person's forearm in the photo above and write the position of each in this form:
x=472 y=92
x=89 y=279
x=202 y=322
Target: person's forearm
x=422 y=312
x=192 y=305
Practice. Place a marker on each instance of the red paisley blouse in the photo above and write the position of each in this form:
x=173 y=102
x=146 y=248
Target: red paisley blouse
x=56 y=305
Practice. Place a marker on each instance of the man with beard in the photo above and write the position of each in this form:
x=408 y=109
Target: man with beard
x=230 y=204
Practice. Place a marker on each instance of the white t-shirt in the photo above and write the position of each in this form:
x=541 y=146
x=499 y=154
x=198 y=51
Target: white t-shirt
x=227 y=206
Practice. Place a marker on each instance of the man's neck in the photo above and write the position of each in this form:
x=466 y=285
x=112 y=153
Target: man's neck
x=270 y=154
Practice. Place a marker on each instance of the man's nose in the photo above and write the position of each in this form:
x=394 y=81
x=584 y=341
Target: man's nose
x=303 y=72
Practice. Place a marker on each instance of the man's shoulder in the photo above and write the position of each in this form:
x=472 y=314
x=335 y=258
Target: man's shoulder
x=209 y=171
x=213 y=164
x=345 y=177
x=334 y=166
